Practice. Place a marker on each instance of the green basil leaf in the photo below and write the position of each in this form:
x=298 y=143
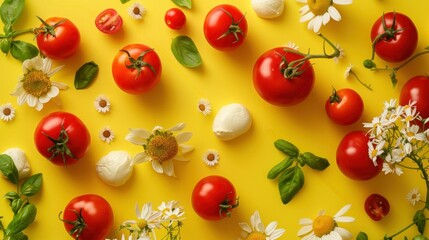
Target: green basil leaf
x=124 y=1
x=5 y=45
x=11 y=195
x=185 y=51
x=362 y=236
x=183 y=3
x=290 y=183
x=280 y=167
x=19 y=236
x=32 y=185
x=10 y=11
x=16 y=204
x=287 y=147
x=420 y=220
x=314 y=161
x=21 y=220
x=85 y=75
x=8 y=168
x=23 y=50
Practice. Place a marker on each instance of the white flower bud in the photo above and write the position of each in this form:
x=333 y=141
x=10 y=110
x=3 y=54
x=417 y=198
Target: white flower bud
x=20 y=160
x=231 y=121
x=115 y=168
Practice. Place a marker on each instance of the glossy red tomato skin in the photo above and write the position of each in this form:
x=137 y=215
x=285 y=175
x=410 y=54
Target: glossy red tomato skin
x=175 y=18
x=416 y=89
x=208 y=193
x=51 y=125
x=376 y=206
x=273 y=87
x=96 y=212
x=352 y=157
x=217 y=22
x=404 y=43
x=109 y=21
x=130 y=80
x=64 y=44
x=348 y=110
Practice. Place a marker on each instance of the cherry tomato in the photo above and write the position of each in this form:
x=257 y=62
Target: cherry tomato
x=416 y=89
x=108 y=21
x=225 y=27
x=62 y=138
x=88 y=217
x=273 y=85
x=214 y=197
x=58 y=38
x=377 y=207
x=175 y=18
x=395 y=37
x=344 y=107
x=353 y=159
x=136 y=69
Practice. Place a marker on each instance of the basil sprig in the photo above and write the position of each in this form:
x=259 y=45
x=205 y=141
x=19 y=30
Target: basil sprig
x=289 y=172
x=186 y=52
x=183 y=3
x=24 y=211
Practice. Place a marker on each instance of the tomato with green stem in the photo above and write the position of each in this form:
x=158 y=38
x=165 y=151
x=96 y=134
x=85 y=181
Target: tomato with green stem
x=344 y=107
x=225 y=27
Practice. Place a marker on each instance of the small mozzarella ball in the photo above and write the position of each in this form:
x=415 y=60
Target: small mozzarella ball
x=115 y=168
x=268 y=8
x=20 y=160
x=231 y=121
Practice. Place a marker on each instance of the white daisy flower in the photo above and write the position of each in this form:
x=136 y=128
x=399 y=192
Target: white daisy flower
x=211 y=157
x=35 y=87
x=161 y=147
x=413 y=196
x=106 y=135
x=375 y=151
x=137 y=11
x=319 y=12
x=102 y=104
x=148 y=219
x=325 y=227
x=204 y=106
x=292 y=45
x=257 y=231
x=7 y=112
x=391 y=168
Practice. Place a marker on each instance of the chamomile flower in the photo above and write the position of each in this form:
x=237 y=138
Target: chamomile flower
x=320 y=12
x=325 y=227
x=102 y=104
x=137 y=11
x=341 y=55
x=375 y=151
x=161 y=147
x=211 y=157
x=391 y=168
x=257 y=231
x=147 y=219
x=204 y=106
x=106 y=135
x=35 y=86
x=7 y=112
x=413 y=196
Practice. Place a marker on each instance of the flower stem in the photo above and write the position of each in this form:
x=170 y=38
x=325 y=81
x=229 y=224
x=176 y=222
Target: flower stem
x=368 y=86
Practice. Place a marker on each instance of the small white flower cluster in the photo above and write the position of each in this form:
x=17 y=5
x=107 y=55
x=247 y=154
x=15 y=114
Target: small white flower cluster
x=396 y=135
x=168 y=216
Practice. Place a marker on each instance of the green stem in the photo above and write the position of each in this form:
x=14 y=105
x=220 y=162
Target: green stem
x=368 y=86
x=409 y=60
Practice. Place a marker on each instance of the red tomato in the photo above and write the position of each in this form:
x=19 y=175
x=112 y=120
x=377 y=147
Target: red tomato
x=416 y=89
x=344 y=107
x=175 y=18
x=225 y=27
x=376 y=206
x=58 y=38
x=214 y=197
x=88 y=217
x=353 y=159
x=108 y=21
x=62 y=138
x=136 y=69
x=397 y=37
x=271 y=83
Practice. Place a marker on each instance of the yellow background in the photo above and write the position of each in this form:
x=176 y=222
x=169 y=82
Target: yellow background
x=224 y=78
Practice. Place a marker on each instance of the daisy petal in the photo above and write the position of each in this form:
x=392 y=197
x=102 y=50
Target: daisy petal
x=140 y=158
x=245 y=227
x=306 y=17
x=183 y=137
x=277 y=233
x=168 y=167
x=305 y=230
x=345 y=234
x=157 y=167
x=333 y=12
x=271 y=227
x=343 y=210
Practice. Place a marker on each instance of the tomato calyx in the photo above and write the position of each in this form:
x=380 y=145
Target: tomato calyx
x=60 y=145
x=234 y=28
x=48 y=29
x=78 y=225
x=138 y=63
x=225 y=207
x=334 y=98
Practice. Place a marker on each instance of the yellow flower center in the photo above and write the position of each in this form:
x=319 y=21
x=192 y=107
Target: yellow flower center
x=141 y=223
x=323 y=225
x=202 y=107
x=162 y=147
x=7 y=111
x=319 y=7
x=36 y=83
x=256 y=236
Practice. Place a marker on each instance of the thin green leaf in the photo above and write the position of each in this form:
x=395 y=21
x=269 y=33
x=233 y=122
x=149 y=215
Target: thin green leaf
x=32 y=185
x=124 y=1
x=8 y=168
x=10 y=11
x=5 y=45
x=183 y=3
x=185 y=51
x=23 y=50
x=287 y=147
x=314 y=161
x=85 y=75
x=21 y=220
x=420 y=220
x=290 y=183
x=280 y=167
